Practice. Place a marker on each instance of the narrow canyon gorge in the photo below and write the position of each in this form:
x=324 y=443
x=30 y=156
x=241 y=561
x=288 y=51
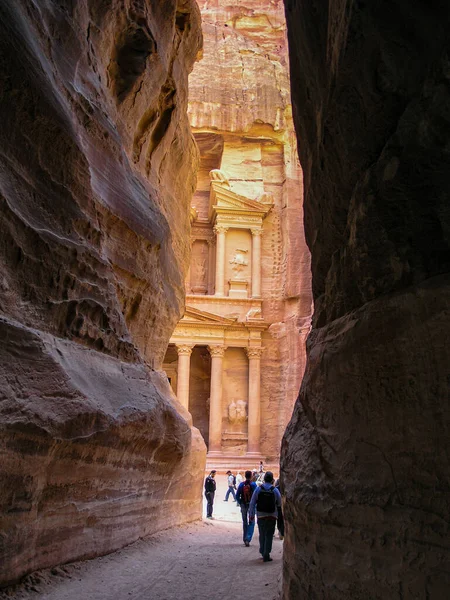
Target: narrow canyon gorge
x=165 y=254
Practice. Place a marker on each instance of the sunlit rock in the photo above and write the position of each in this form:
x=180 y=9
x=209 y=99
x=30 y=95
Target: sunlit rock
x=96 y=173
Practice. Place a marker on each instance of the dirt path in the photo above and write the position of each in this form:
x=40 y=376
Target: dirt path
x=205 y=560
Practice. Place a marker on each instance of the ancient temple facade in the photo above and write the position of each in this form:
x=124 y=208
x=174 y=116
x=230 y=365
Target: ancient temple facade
x=236 y=358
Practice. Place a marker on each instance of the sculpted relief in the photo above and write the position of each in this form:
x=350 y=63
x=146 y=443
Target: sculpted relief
x=237 y=412
x=239 y=262
x=199 y=268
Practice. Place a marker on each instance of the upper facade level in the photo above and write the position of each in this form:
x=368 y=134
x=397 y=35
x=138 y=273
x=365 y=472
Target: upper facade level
x=226 y=249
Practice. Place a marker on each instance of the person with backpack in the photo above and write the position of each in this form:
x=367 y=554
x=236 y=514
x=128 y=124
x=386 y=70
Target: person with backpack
x=210 y=490
x=231 y=486
x=243 y=498
x=265 y=502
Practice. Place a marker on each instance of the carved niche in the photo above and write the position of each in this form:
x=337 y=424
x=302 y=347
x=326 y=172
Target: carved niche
x=199 y=267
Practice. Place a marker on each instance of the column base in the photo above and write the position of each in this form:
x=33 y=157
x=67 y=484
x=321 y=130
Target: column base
x=257 y=455
x=214 y=453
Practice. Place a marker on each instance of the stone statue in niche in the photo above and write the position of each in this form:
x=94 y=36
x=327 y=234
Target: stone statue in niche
x=239 y=261
x=200 y=272
x=237 y=411
x=253 y=313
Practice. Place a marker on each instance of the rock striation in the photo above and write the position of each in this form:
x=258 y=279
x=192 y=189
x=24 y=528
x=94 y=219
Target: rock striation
x=365 y=456
x=97 y=167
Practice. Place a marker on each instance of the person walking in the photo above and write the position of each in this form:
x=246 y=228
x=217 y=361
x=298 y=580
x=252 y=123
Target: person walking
x=265 y=501
x=243 y=497
x=231 y=486
x=210 y=490
x=239 y=479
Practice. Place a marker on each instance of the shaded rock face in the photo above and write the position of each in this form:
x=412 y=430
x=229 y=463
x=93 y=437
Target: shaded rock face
x=365 y=457
x=97 y=167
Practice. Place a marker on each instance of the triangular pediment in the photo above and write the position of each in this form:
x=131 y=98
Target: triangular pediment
x=223 y=198
x=194 y=315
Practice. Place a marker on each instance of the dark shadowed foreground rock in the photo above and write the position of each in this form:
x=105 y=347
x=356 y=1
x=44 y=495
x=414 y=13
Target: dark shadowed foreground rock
x=97 y=166
x=365 y=458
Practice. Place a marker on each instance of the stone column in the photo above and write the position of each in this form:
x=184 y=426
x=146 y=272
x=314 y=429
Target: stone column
x=184 y=367
x=187 y=282
x=211 y=247
x=254 y=400
x=220 y=232
x=215 y=400
x=256 y=263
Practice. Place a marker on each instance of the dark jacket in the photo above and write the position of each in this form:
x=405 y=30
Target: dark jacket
x=210 y=484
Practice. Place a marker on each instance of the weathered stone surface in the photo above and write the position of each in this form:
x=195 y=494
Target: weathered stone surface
x=97 y=167
x=365 y=457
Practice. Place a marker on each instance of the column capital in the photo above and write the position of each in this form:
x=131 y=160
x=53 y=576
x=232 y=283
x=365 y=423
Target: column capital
x=256 y=232
x=255 y=352
x=220 y=229
x=184 y=349
x=217 y=350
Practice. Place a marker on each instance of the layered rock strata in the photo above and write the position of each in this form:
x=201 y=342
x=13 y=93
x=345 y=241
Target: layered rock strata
x=97 y=167
x=365 y=457
x=241 y=116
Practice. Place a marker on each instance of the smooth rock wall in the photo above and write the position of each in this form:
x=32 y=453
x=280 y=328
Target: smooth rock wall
x=365 y=459
x=97 y=167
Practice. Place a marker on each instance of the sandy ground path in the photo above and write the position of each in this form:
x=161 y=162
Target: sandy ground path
x=204 y=560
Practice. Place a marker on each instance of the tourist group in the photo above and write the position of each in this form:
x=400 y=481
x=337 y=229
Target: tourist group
x=256 y=494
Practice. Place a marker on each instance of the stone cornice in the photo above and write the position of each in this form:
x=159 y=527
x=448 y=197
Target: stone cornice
x=214 y=299
x=250 y=325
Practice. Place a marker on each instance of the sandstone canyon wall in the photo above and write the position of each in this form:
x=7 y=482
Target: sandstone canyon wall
x=241 y=116
x=365 y=459
x=97 y=167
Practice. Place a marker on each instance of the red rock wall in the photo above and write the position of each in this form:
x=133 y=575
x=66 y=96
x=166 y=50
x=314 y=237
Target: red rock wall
x=97 y=167
x=365 y=458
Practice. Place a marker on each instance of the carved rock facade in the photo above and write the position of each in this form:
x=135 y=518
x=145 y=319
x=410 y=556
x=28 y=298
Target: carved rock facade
x=248 y=287
x=96 y=173
x=365 y=458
